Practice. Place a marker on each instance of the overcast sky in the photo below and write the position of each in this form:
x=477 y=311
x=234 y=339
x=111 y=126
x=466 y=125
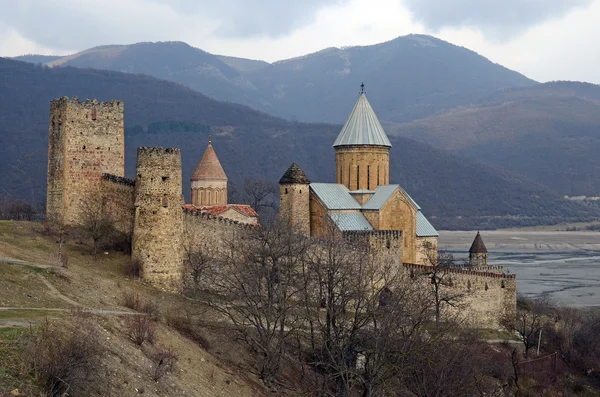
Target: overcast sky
x=543 y=39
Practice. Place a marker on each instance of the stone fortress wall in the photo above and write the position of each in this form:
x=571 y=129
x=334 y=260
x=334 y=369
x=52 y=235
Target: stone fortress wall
x=485 y=298
x=86 y=140
x=86 y=160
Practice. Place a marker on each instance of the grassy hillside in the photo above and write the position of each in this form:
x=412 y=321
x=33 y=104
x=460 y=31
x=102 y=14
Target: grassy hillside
x=414 y=76
x=219 y=367
x=549 y=133
x=249 y=144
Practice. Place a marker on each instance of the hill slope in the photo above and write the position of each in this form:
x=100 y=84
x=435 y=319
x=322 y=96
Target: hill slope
x=414 y=76
x=249 y=144
x=549 y=133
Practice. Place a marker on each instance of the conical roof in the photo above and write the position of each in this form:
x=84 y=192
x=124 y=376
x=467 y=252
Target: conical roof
x=294 y=174
x=362 y=127
x=209 y=167
x=478 y=247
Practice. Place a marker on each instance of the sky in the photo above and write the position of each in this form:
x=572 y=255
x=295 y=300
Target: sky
x=543 y=39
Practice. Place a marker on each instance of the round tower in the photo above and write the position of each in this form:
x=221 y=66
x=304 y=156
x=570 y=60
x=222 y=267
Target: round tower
x=478 y=252
x=294 y=206
x=158 y=225
x=362 y=149
x=209 y=182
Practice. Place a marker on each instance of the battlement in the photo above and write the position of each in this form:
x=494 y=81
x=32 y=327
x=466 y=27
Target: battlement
x=359 y=234
x=157 y=151
x=462 y=271
x=217 y=219
x=118 y=179
x=88 y=103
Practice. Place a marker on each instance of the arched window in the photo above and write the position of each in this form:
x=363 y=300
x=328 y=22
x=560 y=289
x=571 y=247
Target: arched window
x=209 y=197
x=358 y=177
x=368 y=177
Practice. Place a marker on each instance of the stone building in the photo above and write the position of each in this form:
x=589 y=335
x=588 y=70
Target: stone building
x=478 y=252
x=362 y=199
x=86 y=165
x=209 y=191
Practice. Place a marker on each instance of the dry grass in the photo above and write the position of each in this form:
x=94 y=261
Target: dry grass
x=100 y=283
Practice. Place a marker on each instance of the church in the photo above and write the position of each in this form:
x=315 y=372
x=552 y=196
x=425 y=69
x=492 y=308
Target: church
x=362 y=199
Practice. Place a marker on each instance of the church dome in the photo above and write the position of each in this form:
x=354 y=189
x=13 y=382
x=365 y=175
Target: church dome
x=362 y=127
x=209 y=168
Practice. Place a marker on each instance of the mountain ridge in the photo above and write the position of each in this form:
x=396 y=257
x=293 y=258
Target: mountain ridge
x=251 y=144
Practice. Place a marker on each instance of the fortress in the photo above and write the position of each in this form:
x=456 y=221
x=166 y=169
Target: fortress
x=86 y=174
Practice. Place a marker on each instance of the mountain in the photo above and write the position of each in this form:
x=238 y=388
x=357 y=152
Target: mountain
x=453 y=192
x=549 y=133
x=414 y=76
x=35 y=58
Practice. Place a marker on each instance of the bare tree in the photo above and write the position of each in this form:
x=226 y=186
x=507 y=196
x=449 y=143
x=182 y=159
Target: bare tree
x=199 y=257
x=440 y=263
x=258 y=279
x=261 y=195
x=96 y=222
x=530 y=319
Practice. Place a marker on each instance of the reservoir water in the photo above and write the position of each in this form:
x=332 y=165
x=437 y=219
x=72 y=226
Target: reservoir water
x=565 y=265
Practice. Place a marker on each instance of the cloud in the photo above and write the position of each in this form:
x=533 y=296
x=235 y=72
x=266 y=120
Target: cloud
x=80 y=24
x=243 y=18
x=499 y=19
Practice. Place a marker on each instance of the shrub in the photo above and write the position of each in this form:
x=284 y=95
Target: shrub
x=164 y=362
x=140 y=329
x=133 y=300
x=64 y=356
x=133 y=268
x=181 y=321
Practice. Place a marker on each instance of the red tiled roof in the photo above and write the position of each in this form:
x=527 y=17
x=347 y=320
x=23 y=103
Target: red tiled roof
x=209 y=167
x=217 y=210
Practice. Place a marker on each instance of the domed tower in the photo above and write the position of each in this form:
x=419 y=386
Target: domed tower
x=478 y=252
x=362 y=149
x=294 y=207
x=209 y=182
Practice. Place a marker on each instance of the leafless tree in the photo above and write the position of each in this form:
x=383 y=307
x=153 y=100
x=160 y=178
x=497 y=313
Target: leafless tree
x=257 y=277
x=198 y=257
x=440 y=263
x=530 y=318
x=96 y=222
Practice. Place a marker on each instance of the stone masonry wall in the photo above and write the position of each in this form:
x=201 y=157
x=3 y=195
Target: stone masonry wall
x=399 y=214
x=486 y=298
x=294 y=207
x=118 y=194
x=362 y=167
x=86 y=139
x=158 y=225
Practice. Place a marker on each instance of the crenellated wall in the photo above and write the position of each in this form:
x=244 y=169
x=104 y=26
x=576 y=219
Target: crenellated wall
x=485 y=299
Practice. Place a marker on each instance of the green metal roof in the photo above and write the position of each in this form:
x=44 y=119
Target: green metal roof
x=335 y=196
x=350 y=221
x=362 y=127
x=383 y=194
x=424 y=228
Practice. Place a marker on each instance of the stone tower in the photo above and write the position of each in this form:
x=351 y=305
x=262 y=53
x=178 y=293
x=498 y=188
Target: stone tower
x=158 y=226
x=85 y=140
x=362 y=149
x=478 y=252
x=294 y=206
x=209 y=182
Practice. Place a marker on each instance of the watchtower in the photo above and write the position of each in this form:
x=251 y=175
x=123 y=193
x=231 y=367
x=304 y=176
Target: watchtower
x=158 y=226
x=85 y=140
x=478 y=252
x=294 y=192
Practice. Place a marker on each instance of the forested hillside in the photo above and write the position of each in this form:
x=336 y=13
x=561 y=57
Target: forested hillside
x=452 y=191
